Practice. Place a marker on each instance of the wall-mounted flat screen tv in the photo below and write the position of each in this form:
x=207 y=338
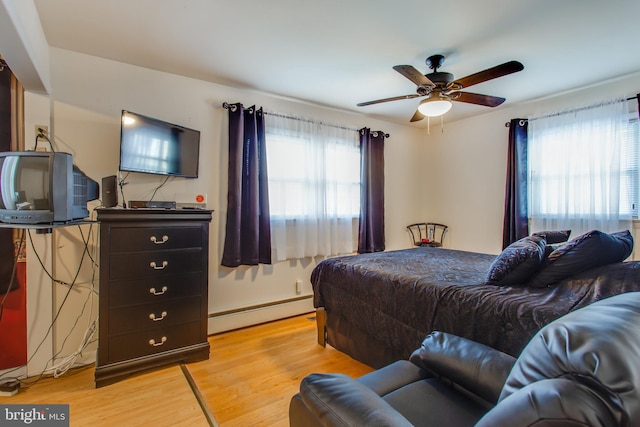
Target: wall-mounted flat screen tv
x=149 y=145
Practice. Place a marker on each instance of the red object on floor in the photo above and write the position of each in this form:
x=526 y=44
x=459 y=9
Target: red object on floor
x=13 y=325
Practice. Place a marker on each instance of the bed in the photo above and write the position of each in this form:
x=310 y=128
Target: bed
x=378 y=307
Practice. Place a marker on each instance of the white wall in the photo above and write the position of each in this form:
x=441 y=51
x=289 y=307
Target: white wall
x=470 y=160
x=76 y=301
x=88 y=94
x=40 y=293
x=456 y=177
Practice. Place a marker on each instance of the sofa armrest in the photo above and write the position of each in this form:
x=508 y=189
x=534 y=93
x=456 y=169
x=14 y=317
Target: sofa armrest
x=338 y=400
x=553 y=403
x=475 y=367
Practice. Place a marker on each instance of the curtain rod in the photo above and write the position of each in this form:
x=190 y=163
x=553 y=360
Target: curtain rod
x=521 y=122
x=231 y=107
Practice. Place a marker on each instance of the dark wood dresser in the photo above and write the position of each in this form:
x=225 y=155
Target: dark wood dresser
x=153 y=298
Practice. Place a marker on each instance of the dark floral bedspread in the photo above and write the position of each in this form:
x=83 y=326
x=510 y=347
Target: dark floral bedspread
x=396 y=298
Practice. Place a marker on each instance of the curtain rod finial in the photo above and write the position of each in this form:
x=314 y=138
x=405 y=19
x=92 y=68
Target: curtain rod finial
x=228 y=106
x=375 y=134
x=521 y=122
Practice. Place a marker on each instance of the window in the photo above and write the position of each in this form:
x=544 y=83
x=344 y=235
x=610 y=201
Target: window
x=295 y=173
x=584 y=169
x=314 y=187
x=631 y=168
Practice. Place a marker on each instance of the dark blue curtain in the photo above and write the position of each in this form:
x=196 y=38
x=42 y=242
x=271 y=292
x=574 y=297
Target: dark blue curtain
x=516 y=221
x=248 y=233
x=371 y=226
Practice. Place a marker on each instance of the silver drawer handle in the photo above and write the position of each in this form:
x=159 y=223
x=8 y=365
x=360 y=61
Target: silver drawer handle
x=156 y=344
x=155 y=240
x=155 y=266
x=162 y=291
x=157 y=319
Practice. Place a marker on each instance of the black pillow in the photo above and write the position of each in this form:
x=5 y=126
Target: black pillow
x=517 y=262
x=554 y=237
x=592 y=249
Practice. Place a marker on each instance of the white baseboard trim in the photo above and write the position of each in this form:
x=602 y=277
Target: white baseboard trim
x=249 y=316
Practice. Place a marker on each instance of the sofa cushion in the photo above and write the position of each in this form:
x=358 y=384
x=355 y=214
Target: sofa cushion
x=517 y=262
x=436 y=403
x=392 y=377
x=591 y=249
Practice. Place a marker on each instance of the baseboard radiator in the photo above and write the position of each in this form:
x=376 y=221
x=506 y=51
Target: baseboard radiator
x=227 y=320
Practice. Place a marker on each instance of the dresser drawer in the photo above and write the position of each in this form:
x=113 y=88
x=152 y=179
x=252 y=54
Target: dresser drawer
x=146 y=291
x=140 y=343
x=154 y=264
x=132 y=239
x=140 y=317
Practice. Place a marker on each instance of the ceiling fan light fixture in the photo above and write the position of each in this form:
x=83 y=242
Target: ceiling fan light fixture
x=434 y=107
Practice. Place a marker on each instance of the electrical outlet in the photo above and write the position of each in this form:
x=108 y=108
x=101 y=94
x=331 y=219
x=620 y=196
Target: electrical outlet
x=41 y=129
x=298 y=287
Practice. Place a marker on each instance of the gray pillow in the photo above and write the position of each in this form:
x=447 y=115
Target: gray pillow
x=517 y=262
x=553 y=237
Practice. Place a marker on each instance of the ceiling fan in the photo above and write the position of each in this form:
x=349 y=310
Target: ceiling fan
x=440 y=88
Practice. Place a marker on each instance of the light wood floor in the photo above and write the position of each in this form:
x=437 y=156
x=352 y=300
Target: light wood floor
x=248 y=381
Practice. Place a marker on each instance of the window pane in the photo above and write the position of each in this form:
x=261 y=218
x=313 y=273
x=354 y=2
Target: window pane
x=314 y=187
x=583 y=169
x=303 y=185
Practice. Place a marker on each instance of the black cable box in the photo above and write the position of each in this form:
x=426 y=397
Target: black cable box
x=135 y=204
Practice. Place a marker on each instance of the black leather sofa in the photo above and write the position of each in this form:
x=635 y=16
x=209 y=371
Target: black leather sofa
x=580 y=370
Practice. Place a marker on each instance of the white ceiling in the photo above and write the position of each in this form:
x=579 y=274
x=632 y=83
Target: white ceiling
x=340 y=52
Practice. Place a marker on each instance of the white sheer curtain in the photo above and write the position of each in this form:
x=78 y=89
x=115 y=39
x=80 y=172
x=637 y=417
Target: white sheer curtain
x=580 y=176
x=314 y=187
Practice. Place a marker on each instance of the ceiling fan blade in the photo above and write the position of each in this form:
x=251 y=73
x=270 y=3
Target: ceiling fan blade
x=414 y=75
x=491 y=73
x=478 y=99
x=417 y=117
x=394 y=98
